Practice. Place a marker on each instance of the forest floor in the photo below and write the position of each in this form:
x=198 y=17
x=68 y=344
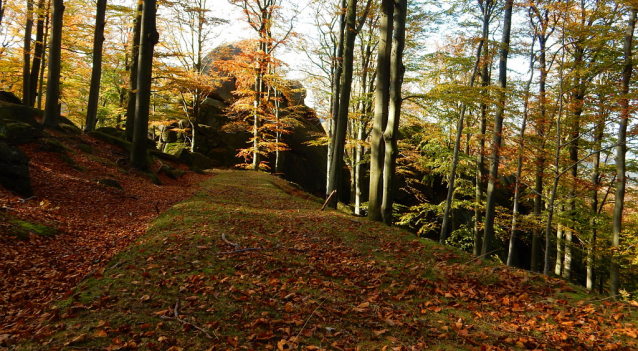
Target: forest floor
x=251 y=263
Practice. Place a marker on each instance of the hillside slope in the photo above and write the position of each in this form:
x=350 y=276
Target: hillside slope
x=88 y=204
x=251 y=263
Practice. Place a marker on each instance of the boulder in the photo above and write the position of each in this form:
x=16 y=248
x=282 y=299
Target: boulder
x=20 y=113
x=8 y=96
x=21 y=133
x=14 y=170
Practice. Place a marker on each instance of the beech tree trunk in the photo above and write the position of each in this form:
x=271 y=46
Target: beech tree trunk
x=341 y=123
x=595 y=180
x=336 y=90
x=51 y=108
x=38 y=52
x=455 y=157
x=394 y=111
x=43 y=63
x=511 y=256
x=490 y=207
x=487 y=7
x=543 y=36
x=558 y=267
x=621 y=150
x=132 y=84
x=96 y=73
x=26 y=64
x=382 y=97
x=149 y=37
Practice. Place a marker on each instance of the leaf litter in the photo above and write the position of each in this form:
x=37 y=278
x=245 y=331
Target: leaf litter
x=247 y=266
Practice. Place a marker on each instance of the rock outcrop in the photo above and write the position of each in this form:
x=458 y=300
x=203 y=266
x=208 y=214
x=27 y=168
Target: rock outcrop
x=302 y=164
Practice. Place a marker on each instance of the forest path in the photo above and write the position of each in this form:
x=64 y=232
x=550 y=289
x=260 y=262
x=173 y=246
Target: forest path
x=251 y=263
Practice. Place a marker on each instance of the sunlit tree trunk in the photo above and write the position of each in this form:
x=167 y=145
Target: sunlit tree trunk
x=487 y=7
x=558 y=267
x=382 y=96
x=44 y=56
x=336 y=89
x=490 y=206
x=51 y=109
x=96 y=73
x=621 y=150
x=511 y=256
x=595 y=180
x=149 y=37
x=544 y=33
x=394 y=112
x=132 y=85
x=341 y=123
x=455 y=157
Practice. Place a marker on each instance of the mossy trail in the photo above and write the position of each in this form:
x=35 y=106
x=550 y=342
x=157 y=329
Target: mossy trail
x=247 y=264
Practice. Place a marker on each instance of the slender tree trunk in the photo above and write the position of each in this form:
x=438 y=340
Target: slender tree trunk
x=567 y=265
x=132 y=85
x=490 y=207
x=38 y=52
x=26 y=64
x=44 y=57
x=455 y=157
x=382 y=97
x=336 y=90
x=51 y=109
x=595 y=179
x=511 y=256
x=558 y=267
x=487 y=7
x=341 y=123
x=96 y=73
x=621 y=150
x=540 y=161
x=149 y=37
x=394 y=112
x=559 y=146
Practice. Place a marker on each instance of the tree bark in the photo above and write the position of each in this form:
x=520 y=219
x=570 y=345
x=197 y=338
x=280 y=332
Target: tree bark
x=457 y=147
x=51 y=109
x=394 y=111
x=44 y=61
x=511 y=256
x=558 y=267
x=38 y=51
x=132 y=84
x=96 y=73
x=487 y=7
x=543 y=36
x=382 y=97
x=595 y=180
x=341 y=123
x=149 y=37
x=26 y=64
x=621 y=150
x=490 y=207
x=336 y=90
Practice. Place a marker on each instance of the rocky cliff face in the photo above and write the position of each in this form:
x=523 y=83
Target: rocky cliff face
x=302 y=164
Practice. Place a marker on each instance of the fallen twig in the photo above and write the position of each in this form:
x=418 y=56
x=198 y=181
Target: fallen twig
x=251 y=249
x=27 y=199
x=210 y=191
x=328 y=199
x=309 y=317
x=235 y=245
x=478 y=257
x=176 y=318
x=160 y=167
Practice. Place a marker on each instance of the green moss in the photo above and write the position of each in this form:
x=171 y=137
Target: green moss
x=85 y=148
x=22 y=229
